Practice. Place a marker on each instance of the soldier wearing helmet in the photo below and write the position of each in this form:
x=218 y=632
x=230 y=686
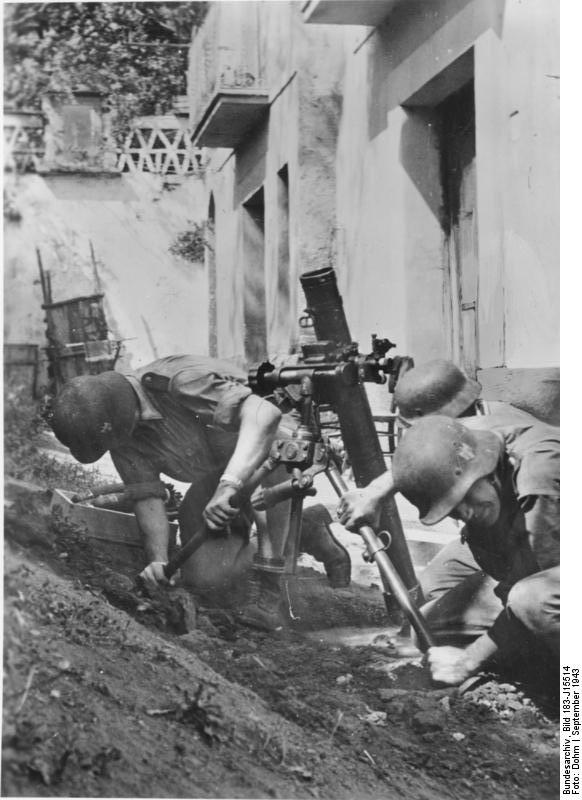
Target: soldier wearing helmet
x=501 y=479
x=436 y=387
x=196 y=420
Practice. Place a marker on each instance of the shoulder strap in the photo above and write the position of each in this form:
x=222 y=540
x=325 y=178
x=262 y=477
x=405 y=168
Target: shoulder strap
x=154 y=382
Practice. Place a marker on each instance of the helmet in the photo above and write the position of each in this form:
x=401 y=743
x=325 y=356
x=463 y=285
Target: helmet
x=437 y=387
x=437 y=462
x=92 y=412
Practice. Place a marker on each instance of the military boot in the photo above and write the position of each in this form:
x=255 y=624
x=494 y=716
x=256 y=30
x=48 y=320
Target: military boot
x=317 y=540
x=261 y=609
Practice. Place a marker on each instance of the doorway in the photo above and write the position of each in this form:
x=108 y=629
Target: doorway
x=210 y=256
x=254 y=312
x=456 y=115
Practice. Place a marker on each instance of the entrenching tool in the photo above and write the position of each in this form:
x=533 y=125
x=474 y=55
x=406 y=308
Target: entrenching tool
x=187 y=550
x=204 y=533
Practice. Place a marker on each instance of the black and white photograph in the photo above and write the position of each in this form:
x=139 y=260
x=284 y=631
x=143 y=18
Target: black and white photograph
x=281 y=402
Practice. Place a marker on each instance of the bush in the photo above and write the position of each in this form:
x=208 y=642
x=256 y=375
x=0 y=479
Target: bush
x=26 y=436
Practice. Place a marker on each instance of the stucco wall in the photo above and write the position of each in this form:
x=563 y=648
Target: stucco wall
x=351 y=117
x=299 y=134
x=393 y=262
x=156 y=302
x=518 y=146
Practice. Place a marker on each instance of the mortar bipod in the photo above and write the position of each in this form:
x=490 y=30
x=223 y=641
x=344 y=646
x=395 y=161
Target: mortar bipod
x=393 y=584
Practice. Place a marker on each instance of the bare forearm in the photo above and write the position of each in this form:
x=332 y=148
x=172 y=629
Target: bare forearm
x=479 y=652
x=153 y=522
x=381 y=487
x=259 y=422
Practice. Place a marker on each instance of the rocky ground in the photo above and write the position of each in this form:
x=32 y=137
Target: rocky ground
x=110 y=694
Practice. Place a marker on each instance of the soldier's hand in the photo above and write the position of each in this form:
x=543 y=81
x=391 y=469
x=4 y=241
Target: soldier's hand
x=153 y=575
x=359 y=507
x=220 y=511
x=258 y=499
x=449 y=665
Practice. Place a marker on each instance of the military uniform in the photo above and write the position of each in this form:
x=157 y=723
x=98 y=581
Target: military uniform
x=188 y=419
x=517 y=586
x=187 y=428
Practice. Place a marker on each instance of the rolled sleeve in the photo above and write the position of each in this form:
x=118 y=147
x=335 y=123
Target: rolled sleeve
x=133 y=467
x=214 y=398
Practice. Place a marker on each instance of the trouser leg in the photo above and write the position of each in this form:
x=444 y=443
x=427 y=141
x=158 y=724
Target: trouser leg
x=535 y=602
x=273 y=524
x=461 y=603
x=317 y=540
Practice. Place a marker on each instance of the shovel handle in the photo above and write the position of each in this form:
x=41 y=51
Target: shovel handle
x=194 y=543
x=186 y=551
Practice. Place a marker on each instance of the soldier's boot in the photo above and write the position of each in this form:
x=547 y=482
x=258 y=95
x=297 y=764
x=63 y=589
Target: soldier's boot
x=317 y=540
x=262 y=607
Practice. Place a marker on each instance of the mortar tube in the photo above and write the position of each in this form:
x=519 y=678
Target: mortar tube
x=325 y=305
x=355 y=416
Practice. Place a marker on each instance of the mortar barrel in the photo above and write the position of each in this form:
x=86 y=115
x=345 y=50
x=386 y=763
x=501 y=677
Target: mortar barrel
x=355 y=415
x=325 y=305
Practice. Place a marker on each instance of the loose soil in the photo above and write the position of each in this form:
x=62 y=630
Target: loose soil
x=106 y=695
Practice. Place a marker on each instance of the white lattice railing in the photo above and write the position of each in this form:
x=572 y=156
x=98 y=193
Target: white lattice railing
x=161 y=145
x=158 y=144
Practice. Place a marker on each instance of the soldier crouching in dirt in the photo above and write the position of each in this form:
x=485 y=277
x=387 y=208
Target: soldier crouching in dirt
x=501 y=478
x=440 y=387
x=194 y=419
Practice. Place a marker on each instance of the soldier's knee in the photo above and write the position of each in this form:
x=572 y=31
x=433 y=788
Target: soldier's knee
x=535 y=602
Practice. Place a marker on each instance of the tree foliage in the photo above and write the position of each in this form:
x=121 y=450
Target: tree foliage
x=136 y=53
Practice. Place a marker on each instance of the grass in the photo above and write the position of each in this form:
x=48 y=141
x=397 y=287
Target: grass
x=25 y=458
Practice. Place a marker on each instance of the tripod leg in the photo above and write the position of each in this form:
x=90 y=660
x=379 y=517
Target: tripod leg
x=292 y=546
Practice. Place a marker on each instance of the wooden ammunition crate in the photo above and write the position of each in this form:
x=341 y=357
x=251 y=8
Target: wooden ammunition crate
x=115 y=532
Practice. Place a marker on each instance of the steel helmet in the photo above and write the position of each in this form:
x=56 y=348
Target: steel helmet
x=437 y=387
x=437 y=462
x=92 y=412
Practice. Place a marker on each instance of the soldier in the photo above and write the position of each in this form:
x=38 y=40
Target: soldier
x=195 y=420
x=501 y=479
x=439 y=387
x=436 y=387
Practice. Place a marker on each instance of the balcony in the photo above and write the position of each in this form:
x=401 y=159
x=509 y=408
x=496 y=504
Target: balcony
x=347 y=12
x=226 y=86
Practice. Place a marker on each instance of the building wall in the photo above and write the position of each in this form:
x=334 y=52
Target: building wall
x=157 y=303
x=393 y=263
x=298 y=137
x=354 y=118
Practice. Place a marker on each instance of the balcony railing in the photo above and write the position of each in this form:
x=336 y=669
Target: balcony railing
x=161 y=145
x=227 y=89
x=348 y=12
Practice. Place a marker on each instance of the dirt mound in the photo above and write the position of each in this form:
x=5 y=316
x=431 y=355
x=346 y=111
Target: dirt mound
x=110 y=701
